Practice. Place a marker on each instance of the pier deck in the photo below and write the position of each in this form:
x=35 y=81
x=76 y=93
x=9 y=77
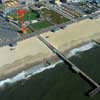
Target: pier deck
x=73 y=66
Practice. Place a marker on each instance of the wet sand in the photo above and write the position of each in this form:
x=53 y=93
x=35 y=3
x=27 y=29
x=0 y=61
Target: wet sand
x=32 y=51
x=27 y=52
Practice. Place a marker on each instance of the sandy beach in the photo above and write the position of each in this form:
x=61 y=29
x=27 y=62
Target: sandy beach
x=27 y=52
x=74 y=34
x=32 y=51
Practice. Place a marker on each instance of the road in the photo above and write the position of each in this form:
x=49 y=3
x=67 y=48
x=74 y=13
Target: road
x=14 y=39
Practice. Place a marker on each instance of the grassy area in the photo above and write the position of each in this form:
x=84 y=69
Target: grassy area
x=41 y=25
x=31 y=15
x=55 y=17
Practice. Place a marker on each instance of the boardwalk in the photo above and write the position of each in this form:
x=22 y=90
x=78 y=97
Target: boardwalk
x=74 y=67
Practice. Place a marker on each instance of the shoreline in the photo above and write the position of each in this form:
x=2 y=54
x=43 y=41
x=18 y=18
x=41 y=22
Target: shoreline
x=32 y=52
x=36 y=69
x=25 y=67
x=53 y=60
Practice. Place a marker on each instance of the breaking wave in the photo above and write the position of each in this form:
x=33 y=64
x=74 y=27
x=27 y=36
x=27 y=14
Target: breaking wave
x=40 y=68
x=26 y=74
x=81 y=49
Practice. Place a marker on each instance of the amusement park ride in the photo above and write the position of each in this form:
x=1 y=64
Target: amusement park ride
x=20 y=12
x=12 y=3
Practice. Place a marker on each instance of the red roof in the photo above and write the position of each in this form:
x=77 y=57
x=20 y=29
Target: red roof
x=21 y=11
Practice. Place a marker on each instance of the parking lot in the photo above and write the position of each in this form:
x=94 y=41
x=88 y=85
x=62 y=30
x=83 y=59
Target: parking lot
x=7 y=33
x=86 y=7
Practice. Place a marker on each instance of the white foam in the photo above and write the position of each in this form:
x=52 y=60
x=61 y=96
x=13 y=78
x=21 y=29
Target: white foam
x=26 y=74
x=35 y=70
x=16 y=78
x=81 y=49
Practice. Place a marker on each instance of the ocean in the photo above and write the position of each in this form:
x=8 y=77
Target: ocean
x=57 y=81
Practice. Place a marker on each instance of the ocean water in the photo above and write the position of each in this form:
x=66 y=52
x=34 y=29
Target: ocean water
x=89 y=62
x=56 y=82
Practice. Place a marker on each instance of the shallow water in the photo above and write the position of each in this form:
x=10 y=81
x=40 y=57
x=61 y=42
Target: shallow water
x=53 y=84
x=89 y=62
x=58 y=83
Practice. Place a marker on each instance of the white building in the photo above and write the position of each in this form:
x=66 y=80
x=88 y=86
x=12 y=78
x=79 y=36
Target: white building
x=75 y=0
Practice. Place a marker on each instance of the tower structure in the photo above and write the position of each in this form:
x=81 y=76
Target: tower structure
x=21 y=13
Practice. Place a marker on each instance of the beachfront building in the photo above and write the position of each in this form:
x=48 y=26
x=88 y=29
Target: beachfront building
x=66 y=1
x=75 y=0
x=98 y=1
x=21 y=1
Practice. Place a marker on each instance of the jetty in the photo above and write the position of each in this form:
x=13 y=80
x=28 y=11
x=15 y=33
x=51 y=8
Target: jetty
x=71 y=65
